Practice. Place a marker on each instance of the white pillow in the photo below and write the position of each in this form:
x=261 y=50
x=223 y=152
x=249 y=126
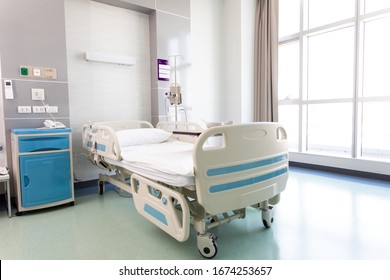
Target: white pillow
x=141 y=136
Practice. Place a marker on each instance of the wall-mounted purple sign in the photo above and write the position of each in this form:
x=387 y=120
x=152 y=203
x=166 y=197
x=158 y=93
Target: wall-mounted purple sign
x=164 y=69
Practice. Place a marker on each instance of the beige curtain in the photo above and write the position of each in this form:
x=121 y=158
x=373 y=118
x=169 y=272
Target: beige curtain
x=266 y=61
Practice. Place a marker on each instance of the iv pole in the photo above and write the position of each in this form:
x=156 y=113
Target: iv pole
x=175 y=87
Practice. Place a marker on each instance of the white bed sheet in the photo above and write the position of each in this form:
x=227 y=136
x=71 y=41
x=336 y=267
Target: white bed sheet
x=169 y=162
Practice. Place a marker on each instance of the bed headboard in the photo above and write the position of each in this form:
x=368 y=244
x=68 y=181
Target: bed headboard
x=182 y=131
x=100 y=137
x=248 y=166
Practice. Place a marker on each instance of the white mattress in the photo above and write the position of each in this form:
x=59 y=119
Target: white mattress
x=169 y=162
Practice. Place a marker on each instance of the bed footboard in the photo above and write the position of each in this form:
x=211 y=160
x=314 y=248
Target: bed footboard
x=249 y=166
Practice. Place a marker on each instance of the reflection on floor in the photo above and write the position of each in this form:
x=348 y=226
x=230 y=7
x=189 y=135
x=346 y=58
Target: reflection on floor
x=320 y=216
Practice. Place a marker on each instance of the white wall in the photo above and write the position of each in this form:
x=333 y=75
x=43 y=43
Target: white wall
x=232 y=59
x=222 y=54
x=248 y=8
x=207 y=65
x=102 y=91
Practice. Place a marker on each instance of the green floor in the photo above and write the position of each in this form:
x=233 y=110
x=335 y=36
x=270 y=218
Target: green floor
x=320 y=216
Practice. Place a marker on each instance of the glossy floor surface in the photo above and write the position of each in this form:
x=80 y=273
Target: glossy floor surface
x=321 y=216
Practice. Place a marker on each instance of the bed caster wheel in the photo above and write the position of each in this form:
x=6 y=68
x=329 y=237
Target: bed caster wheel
x=207 y=245
x=101 y=187
x=267 y=216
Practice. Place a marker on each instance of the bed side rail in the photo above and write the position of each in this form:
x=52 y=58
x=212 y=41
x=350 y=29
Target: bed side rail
x=164 y=207
x=100 y=137
x=248 y=166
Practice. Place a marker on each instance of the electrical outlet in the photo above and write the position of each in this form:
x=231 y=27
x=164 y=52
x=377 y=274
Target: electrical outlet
x=39 y=109
x=171 y=109
x=52 y=109
x=24 y=109
x=36 y=72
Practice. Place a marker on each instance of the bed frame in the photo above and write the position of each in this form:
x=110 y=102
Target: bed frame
x=247 y=166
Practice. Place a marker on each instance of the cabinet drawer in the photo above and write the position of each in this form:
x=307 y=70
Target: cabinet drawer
x=43 y=143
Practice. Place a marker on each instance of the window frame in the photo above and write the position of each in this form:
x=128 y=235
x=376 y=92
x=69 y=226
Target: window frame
x=356 y=160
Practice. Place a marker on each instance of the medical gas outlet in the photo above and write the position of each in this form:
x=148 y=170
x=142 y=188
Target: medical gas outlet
x=39 y=72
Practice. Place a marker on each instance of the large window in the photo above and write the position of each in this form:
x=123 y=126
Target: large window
x=334 y=77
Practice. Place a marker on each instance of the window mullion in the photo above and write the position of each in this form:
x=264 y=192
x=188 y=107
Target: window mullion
x=303 y=41
x=356 y=125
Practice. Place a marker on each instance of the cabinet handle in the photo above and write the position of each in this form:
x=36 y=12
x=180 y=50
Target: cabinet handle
x=26 y=181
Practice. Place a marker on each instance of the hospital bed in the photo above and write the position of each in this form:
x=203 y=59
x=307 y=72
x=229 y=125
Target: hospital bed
x=180 y=174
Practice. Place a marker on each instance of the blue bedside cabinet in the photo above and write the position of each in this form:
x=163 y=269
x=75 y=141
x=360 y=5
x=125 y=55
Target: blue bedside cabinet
x=42 y=168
